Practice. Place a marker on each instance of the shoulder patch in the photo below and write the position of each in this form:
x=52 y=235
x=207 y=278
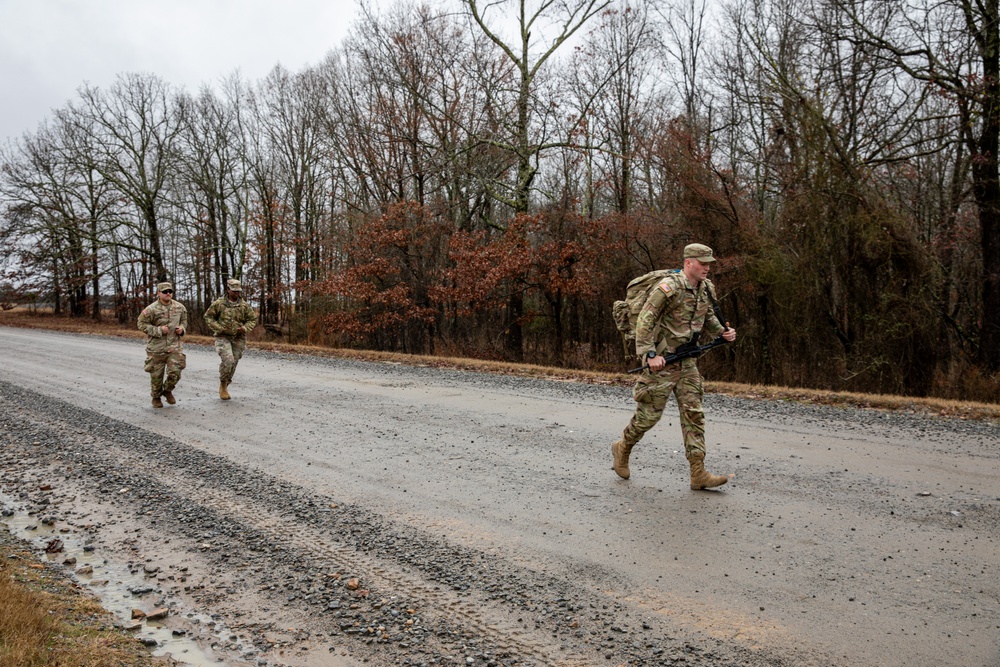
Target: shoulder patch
x=145 y=311
x=665 y=286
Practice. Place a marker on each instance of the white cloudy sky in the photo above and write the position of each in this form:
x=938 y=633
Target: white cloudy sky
x=49 y=48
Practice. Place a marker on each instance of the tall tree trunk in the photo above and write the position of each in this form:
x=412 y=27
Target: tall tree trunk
x=95 y=275
x=987 y=193
x=983 y=22
x=156 y=254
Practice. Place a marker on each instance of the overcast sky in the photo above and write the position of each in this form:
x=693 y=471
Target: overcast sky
x=49 y=48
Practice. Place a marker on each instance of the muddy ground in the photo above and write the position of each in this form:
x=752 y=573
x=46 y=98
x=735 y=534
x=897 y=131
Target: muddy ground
x=343 y=513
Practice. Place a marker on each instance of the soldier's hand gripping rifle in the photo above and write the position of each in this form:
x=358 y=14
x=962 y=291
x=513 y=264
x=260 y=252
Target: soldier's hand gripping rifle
x=691 y=348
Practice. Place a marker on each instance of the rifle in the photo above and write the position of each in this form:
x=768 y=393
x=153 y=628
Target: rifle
x=691 y=348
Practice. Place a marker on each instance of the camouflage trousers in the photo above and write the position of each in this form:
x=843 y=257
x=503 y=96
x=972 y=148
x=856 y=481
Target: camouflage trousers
x=164 y=370
x=651 y=393
x=230 y=352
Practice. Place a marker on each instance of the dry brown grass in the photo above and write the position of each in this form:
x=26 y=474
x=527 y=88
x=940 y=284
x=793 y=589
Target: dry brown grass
x=47 y=621
x=25 y=627
x=935 y=406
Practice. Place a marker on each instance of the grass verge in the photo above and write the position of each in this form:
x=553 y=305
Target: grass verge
x=47 y=620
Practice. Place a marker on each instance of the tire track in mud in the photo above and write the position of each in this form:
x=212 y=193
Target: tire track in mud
x=257 y=510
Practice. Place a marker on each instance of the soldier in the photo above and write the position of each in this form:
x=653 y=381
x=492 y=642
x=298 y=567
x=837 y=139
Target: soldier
x=230 y=320
x=677 y=310
x=164 y=321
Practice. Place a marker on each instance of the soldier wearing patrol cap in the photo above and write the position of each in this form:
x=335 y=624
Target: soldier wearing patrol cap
x=164 y=322
x=230 y=319
x=677 y=309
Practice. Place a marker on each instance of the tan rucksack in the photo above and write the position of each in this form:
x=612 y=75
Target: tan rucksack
x=626 y=313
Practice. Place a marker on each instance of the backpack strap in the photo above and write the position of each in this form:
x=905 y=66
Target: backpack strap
x=668 y=285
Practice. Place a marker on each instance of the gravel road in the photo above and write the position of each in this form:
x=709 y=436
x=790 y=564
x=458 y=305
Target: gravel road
x=339 y=513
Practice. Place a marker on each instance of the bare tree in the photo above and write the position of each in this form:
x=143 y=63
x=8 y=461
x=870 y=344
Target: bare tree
x=568 y=18
x=132 y=131
x=213 y=174
x=288 y=109
x=423 y=90
x=954 y=46
x=686 y=43
x=524 y=139
x=62 y=210
x=615 y=84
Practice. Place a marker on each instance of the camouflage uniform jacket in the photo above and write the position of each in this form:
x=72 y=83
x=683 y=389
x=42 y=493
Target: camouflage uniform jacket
x=225 y=317
x=156 y=315
x=672 y=314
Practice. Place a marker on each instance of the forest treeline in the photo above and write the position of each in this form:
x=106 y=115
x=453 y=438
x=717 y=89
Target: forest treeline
x=484 y=180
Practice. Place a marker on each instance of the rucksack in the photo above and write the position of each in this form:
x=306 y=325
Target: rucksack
x=626 y=313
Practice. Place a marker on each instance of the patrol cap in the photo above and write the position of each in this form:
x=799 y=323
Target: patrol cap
x=700 y=252
x=233 y=285
x=163 y=287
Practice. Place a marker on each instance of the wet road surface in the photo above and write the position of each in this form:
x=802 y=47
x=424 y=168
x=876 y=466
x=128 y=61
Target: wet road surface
x=485 y=508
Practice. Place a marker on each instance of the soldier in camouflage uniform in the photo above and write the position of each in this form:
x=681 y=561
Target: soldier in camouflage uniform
x=678 y=307
x=165 y=322
x=230 y=319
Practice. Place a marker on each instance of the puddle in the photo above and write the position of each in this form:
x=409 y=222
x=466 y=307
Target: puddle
x=120 y=590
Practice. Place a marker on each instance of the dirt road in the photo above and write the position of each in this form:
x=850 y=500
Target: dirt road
x=339 y=512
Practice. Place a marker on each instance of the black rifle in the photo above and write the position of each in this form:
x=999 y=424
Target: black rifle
x=691 y=348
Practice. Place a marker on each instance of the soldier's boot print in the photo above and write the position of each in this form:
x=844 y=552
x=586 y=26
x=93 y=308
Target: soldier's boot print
x=701 y=478
x=157 y=403
x=169 y=395
x=223 y=391
x=620 y=451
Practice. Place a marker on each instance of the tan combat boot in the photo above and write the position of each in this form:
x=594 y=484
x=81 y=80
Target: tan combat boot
x=223 y=393
x=701 y=478
x=170 y=397
x=619 y=454
x=157 y=403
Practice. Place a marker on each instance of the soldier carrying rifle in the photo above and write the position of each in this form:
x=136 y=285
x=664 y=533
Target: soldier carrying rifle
x=677 y=311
